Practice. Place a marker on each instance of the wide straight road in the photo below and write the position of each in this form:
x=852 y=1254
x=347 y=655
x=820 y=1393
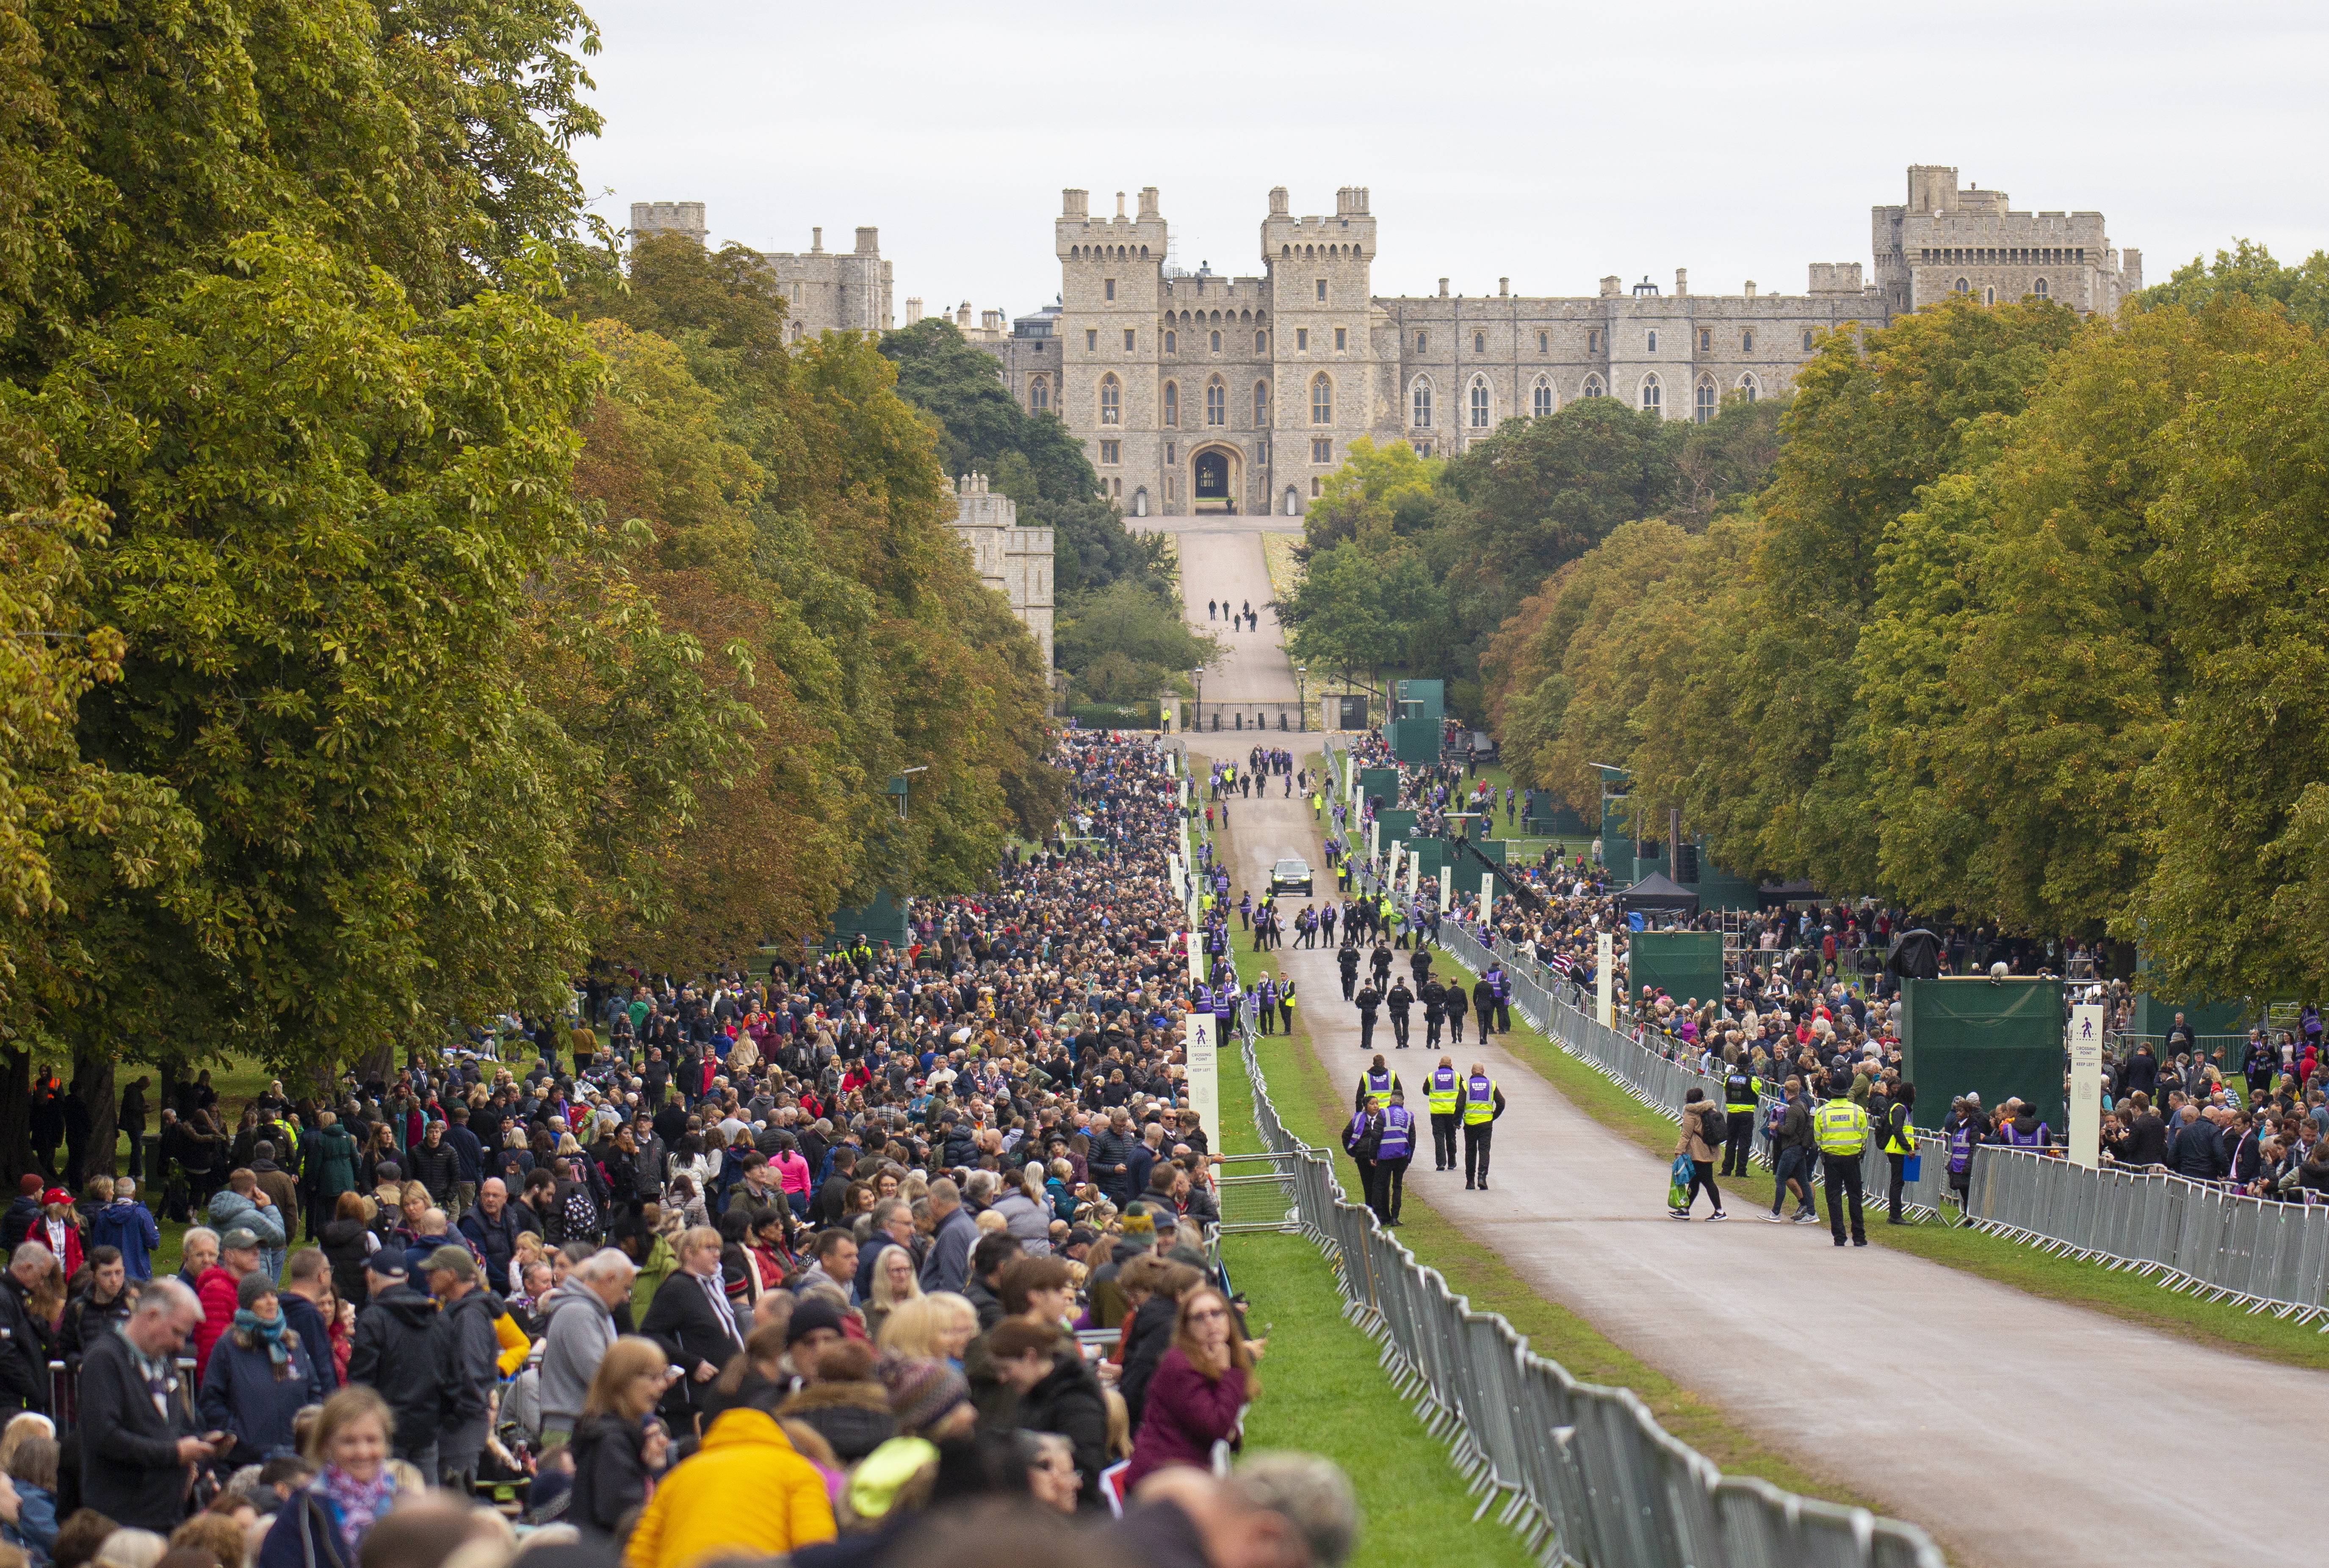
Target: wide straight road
x=2017 y=1430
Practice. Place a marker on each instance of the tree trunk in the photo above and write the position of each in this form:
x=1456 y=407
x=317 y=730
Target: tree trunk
x=93 y=1083
x=16 y=1110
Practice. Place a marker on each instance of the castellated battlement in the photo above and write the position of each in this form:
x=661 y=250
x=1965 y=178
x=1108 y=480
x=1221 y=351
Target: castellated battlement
x=1015 y=562
x=668 y=218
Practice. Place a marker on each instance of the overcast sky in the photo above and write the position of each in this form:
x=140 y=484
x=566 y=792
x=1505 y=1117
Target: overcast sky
x=1549 y=143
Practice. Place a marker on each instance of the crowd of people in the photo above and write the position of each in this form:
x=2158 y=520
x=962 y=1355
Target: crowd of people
x=820 y=1263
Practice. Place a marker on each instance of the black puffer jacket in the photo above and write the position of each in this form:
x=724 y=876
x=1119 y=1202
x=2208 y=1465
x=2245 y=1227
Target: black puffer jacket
x=1145 y=1344
x=345 y=1245
x=1069 y=1401
x=400 y=1353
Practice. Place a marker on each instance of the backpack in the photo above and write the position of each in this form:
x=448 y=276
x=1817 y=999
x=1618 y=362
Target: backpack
x=1774 y=1116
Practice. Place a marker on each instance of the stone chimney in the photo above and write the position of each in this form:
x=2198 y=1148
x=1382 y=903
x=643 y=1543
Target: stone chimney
x=1612 y=287
x=1278 y=207
x=817 y=241
x=1443 y=289
x=1682 y=281
x=1148 y=200
x=1075 y=203
x=869 y=241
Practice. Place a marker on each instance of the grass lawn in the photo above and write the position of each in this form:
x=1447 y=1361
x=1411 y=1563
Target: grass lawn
x=1325 y=1391
x=2122 y=1295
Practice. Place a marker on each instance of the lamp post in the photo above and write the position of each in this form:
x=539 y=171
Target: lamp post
x=1301 y=696
x=1197 y=677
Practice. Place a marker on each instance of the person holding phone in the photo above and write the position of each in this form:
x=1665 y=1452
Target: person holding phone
x=137 y=1423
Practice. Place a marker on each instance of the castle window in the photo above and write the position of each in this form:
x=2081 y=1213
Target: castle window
x=1540 y=398
x=1963 y=286
x=1322 y=450
x=1172 y=405
x=1322 y=402
x=1653 y=340
x=1317 y=488
x=1653 y=395
x=1479 y=403
x=1261 y=405
x=1217 y=343
x=1170 y=452
x=1039 y=394
x=1420 y=339
x=1807 y=343
x=1706 y=401
x=1342 y=339
x=1322 y=289
x=1119 y=486
x=1111 y=452
x=1593 y=344
x=1110 y=284
x=1092 y=340
x=1127 y=340
x=1217 y=404
x=1111 y=400
x=1302 y=340
x=1172 y=343
x=1545 y=343
x=2038 y=288
x=1172 y=488
x=1751 y=388
x=1260 y=342
x=1479 y=343
x=1705 y=340
x=1421 y=418
x=1422 y=449
x=1989 y=295
x=1747 y=342
x=1592 y=388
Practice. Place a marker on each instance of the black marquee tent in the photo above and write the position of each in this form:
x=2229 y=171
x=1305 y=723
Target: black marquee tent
x=1660 y=893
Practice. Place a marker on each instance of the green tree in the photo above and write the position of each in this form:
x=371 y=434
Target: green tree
x=1358 y=609
x=1031 y=457
x=2234 y=904
x=2248 y=272
x=1130 y=645
x=1376 y=495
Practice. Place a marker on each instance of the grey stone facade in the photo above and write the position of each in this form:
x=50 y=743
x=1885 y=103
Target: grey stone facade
x=1198 y=392
x=1015 y=562
x=828 y=290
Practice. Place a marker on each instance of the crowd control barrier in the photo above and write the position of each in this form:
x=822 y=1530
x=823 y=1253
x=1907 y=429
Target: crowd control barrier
x=1584 y=1473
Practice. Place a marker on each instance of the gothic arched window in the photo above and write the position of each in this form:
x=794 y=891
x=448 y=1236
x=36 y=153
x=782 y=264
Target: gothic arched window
x=1217 y=404
x=1322 y=402
x=1111 y=400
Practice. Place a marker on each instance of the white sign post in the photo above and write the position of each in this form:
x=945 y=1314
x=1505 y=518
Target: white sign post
x=1447 y=890
x=1605 y=980
x=1196 y=958
x=1487 y=902
x=1398 y=854
x=1374 y=839
x=1205 y=1077
x=2087 y=1084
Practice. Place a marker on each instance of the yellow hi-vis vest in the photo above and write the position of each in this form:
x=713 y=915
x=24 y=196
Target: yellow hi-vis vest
x=1378 y=1087
x=1841 y=1128
x=1440 y=1090
x=1479 y=1100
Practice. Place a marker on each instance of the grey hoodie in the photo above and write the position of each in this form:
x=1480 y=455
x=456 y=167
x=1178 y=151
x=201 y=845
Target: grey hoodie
x=577 y=1330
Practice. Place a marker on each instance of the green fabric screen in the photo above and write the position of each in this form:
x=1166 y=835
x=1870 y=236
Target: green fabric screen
x=1684 y=965
x=2001 y=1039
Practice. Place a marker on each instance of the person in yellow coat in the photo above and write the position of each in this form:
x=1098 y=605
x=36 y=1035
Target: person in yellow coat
x=746 y=1493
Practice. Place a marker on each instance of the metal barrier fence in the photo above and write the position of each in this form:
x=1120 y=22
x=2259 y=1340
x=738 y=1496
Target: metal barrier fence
x=1584 y=1473
x=2260 y=1253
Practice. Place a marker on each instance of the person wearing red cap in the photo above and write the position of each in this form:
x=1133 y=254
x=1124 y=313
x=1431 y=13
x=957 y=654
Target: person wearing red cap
x=59 y=1229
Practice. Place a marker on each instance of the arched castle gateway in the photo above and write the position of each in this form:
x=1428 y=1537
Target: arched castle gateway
x=1195 y=393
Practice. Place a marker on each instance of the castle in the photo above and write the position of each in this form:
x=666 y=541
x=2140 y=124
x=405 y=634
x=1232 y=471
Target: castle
x=1195 y=393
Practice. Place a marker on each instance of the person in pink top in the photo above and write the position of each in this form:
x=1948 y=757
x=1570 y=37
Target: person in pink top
x=1199 y=1390
x=792 y=1171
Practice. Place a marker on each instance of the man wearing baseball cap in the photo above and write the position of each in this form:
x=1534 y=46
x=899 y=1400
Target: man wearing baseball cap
x=468 y=1312
x=396 y=1352
x=218 y=1288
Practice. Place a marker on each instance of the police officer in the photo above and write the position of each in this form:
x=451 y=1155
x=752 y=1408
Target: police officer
x=1433 y=998
x=1394 y=1137
x=1401 y=1002
x=1841 y=1130
x=1369 y=1000
x=1741 y=1091
x=1484 y=1003
x=1482 y=1102
x=1421 y=965
x=1348 y=960
x=1377 y=1085
x=1380 y=962
x=1440 y=1093
x=1900 y=1141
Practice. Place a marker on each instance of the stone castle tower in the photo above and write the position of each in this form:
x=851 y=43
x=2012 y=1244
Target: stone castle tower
x=827 y=290
x=1015 y=562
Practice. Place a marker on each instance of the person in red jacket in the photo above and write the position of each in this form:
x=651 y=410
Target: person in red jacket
x=219 y=1286
x=1199 y=1390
